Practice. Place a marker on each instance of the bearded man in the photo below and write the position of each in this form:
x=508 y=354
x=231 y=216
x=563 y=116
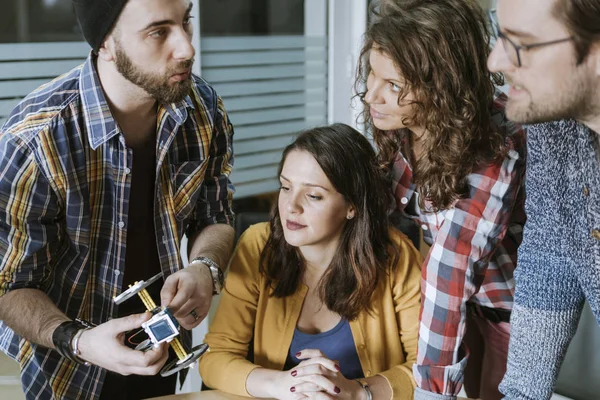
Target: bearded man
x=549 y=51
x=102 y=172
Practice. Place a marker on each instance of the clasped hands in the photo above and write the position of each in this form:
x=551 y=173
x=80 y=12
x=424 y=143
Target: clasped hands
x=316 y=377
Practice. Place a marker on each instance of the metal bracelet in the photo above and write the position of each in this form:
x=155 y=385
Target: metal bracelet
x=365 y=386
x=75 y=346
x=215 y=272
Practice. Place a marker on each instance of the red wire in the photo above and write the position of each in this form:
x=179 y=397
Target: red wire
x=134 y=335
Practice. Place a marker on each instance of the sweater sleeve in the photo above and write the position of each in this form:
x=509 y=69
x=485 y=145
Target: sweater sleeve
x=225 y=366
x=405 y=283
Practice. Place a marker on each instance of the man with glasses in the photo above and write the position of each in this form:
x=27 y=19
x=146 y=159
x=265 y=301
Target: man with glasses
x=549 y=51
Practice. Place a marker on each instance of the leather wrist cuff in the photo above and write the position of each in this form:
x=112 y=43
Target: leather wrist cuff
x=63 y=336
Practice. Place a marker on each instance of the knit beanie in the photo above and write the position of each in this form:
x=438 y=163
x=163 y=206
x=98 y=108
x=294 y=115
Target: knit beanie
x=96 y=18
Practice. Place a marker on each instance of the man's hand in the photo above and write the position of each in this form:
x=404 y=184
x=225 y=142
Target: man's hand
x=104 y=346
x=187 y=290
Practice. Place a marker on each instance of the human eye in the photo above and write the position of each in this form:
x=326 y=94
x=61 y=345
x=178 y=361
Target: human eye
x=158 y=33
x=395 y=87
x=314 y=197
x=188 y=20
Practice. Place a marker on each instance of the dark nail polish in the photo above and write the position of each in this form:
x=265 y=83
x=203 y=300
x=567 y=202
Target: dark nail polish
x=337 y=367
x=298 y=354
x=294 y=373
x=336 y=390
x=292 y=389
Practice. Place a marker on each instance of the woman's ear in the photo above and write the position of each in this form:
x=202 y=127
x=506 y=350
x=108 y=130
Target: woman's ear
x=351 y=213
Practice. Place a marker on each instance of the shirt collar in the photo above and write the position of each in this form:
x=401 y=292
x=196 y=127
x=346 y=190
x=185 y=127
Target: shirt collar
x=179 y=110
x=99 y=121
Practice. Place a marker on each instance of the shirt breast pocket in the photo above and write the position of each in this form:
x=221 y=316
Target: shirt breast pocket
x=187 y=178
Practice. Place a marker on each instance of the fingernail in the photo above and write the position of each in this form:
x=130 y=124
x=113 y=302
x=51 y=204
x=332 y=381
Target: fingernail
x=294 y=373
x=337 y=367
x=292 y=389
x=298 y=354
x=336 y=390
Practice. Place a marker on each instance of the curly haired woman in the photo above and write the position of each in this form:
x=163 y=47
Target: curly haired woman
x=456 y=166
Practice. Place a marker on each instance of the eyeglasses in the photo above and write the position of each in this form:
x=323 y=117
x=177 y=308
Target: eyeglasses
x=512 y=49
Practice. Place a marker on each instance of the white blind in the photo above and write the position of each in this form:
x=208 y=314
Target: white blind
x=272 y=87
x=24 y=67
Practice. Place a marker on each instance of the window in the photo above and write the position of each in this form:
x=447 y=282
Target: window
x=267 y=59
x=38 y=21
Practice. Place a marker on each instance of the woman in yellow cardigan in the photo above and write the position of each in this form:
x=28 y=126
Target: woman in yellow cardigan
x=322 y=301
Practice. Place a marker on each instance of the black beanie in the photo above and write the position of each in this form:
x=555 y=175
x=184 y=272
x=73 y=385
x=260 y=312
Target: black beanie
x=96 y=18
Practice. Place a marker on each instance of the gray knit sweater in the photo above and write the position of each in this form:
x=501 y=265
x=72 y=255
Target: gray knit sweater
x=559 y=259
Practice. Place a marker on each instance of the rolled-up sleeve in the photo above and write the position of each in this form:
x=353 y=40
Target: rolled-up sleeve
x=215 y=201
x=28 y=218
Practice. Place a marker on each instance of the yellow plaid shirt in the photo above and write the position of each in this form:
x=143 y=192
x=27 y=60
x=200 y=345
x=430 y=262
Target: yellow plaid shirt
x=64 y=196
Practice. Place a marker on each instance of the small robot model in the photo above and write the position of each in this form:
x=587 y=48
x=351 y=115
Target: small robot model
x=162 y=327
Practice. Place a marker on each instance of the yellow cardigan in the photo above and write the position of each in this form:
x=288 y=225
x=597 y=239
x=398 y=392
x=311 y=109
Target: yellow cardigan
x=385 y=337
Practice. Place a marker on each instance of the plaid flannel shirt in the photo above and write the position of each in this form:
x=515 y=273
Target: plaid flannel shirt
x=64 y=197
x=472 y=257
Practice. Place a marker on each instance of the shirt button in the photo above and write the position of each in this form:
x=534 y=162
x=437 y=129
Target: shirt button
x=121 y=225
x=127 y=171
x=117 y=272
x=361 y=347
x=424 y=227
x=368 y=372
x=596 y=234
x=586 y=191
x=404 y=200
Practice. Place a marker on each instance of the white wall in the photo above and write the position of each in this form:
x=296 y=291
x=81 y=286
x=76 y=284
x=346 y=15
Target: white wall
x=347 y=24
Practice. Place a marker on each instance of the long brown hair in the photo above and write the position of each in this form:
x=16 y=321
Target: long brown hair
x=582 y=19
x=365 y=250
x=440 y=47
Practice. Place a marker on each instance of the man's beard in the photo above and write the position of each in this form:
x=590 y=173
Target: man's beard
x=155 y=84
x=574 y=98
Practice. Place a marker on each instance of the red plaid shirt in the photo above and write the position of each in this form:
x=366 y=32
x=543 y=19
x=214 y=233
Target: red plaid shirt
x=472 y=257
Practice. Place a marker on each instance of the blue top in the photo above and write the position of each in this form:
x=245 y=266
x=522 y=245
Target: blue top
x=337 y=344
x=559 y=259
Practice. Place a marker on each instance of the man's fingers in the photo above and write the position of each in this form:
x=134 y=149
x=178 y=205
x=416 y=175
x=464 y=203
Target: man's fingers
x=169 y=290
x=183 y=295
x=185 y=309
x=192 y=319
x=144 y=363
x=128 y=358
x=157 y=355
x=125 y=324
